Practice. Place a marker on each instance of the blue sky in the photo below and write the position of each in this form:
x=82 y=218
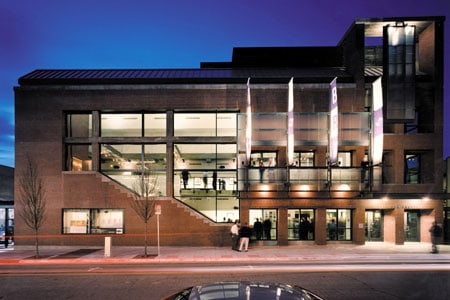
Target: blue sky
x=44 y=34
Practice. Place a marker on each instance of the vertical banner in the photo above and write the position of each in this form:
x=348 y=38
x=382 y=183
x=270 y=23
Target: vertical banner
x=290 y=125
x=377 y=122
x=248 y=132
x=333 y=124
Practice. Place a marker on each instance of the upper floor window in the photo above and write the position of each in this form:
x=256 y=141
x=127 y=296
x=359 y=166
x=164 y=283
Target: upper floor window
x=304 y=159
x=120 y=125
x=412 y=168
x=205 y=124
x=133 y=124
x=79 y=125
x=345 y=158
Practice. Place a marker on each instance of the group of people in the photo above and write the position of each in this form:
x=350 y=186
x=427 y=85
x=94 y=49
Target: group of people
x=240 y=234
x=185 y=175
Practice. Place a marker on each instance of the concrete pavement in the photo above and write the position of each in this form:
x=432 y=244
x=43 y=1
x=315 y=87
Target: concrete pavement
x=371 y=252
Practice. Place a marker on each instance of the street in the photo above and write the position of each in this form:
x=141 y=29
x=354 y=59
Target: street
x=332 y=281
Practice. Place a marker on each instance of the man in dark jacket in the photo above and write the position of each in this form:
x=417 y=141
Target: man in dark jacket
x=244 y=233
x=436 y=233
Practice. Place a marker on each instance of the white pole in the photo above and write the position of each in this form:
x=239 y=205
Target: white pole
x=157 y=228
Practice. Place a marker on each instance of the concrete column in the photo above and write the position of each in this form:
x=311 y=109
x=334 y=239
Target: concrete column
x=358 y=230
x=399 y=214
x=320 y=232
x=282 y=227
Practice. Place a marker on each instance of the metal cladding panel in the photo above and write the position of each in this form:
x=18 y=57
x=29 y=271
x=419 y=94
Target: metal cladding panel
x=225 y=75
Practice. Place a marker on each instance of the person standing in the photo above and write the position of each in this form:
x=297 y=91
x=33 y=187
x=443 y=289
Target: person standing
x=244 y=234
x=258 y=228
x=234 y=236
x=436 y=233
x=185 y=176
x=267 y=226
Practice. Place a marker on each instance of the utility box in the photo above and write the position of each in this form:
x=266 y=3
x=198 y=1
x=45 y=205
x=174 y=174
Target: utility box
x=107 y=246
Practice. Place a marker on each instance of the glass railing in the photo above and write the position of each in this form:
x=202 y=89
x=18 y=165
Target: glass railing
x=307 y=179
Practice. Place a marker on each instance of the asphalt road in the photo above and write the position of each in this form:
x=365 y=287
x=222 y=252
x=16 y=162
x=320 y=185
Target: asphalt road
x=331 y=281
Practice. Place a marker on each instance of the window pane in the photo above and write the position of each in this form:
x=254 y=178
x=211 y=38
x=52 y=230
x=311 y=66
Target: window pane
x=339 y=224
x=107 y=221
x=79 y=125
x=194 y=124
x=79 y=158
x=76 y=221
x=125 y=163
x=226 y=124
x=118 y=125
x=155 y=124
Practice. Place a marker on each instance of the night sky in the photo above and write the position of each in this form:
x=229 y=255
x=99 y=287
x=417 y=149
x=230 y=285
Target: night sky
x=47 y=34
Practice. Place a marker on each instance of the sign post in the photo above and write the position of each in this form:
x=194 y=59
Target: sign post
x=157 y=213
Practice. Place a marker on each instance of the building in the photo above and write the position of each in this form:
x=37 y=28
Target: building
x=320 y=144
x=6 y=205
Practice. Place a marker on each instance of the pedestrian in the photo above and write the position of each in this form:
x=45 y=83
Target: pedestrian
x=205 y=179
x=185 y=176
x=258 y=228
x=267 y=226
x=214 y=180
x=436 y=233
x=332 y=230
x=235 y=236
x=244 y=234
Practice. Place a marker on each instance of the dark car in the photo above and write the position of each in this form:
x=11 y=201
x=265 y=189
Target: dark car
x=244 y=290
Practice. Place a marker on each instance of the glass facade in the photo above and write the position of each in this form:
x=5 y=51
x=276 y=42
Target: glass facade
x=211 y=187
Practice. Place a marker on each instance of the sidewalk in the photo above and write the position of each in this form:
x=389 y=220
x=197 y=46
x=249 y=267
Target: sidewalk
x=372 y=252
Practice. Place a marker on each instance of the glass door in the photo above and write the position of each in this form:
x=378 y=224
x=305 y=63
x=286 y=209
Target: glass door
x=412 y=226
x=374 y=225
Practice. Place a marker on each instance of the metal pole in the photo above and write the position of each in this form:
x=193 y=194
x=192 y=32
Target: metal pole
x=157 y=228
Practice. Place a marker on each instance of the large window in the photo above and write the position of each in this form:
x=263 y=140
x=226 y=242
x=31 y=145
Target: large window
x=301 y=224
x=339 y=224
x=133 y=124
x=205 y=179
x=93 y=221
x=412 y=168
x=205 y=124
x=125 y=163
x=269 y=219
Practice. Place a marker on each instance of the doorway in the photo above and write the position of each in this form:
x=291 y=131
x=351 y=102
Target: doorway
x=374 y=225
x=412 y=226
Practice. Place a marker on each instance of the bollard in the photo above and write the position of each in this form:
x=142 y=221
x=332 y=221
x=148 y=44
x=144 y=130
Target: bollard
x=107 y=246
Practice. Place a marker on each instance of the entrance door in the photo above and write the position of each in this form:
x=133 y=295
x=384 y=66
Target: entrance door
x=268 y=218
x=374 y=225
x=412 y=226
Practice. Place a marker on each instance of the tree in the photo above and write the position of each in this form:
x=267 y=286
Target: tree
x=33 y=200
x=144 y=200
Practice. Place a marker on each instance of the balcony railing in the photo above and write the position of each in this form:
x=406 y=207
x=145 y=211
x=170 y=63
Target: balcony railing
x=307 y=179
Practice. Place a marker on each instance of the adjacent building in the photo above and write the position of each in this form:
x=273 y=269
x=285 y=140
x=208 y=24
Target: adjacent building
x=318 y=144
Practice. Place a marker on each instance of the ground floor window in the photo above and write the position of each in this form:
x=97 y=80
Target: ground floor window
x=374 y=225
x=268 y=219
x=301 y=224
x=339 y=224
x=93 y=221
